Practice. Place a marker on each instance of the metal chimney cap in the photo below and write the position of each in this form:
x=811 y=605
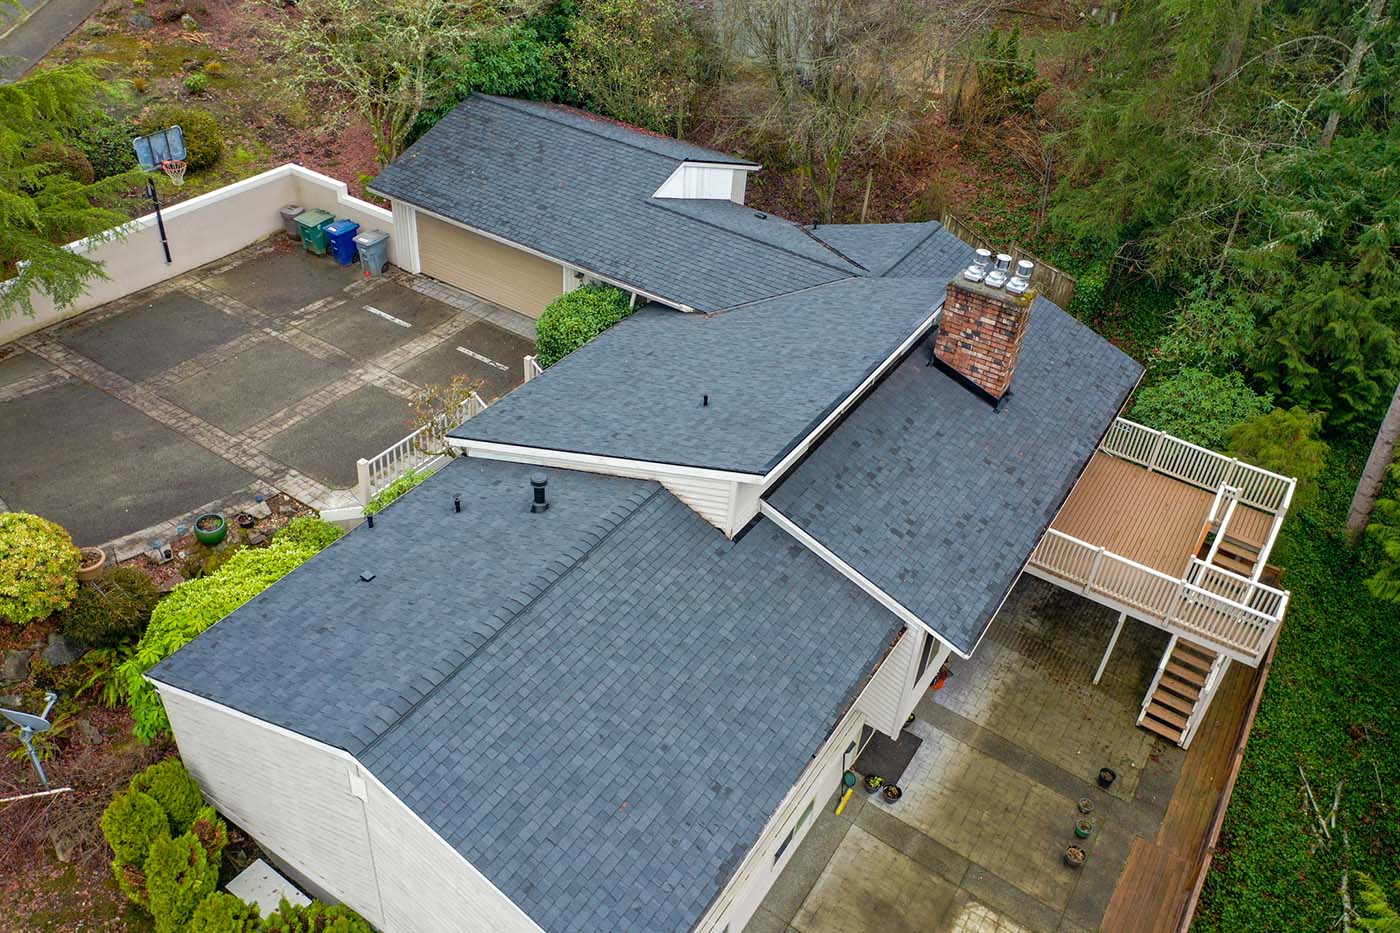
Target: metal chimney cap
x=538 y=479
x=1022 y=279
x=1000 y=272
x=978 y=270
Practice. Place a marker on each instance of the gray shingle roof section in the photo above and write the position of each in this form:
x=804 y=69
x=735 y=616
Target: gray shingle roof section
x=580 y=189
x=768 y=229
x=937 y=498
x=773 y=370
x=336 y=659
x=877 y=247
x=612 y=756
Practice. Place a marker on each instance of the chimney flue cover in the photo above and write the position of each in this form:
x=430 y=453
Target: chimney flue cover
x=1000 y=272
x=980 y=266
x=1022 y=279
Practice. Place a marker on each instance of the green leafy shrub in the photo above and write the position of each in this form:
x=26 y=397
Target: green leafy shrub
x=1008 y=83
x=1212 y=332
x=204 y=561
x=197 y=83
x=66 y=160
x=204 y=138
x=1199 y=406
x=170 y=785
x=221 y=912
x=131 y=822
x=576 y=317
x=1284 y=441
x=309 y=531
x=179 y=875
x=191 y=608
x=106 y=141
x=1385 y=529
x=111 y=611
x=38 y=567
x=315 y=918
x=395 y=489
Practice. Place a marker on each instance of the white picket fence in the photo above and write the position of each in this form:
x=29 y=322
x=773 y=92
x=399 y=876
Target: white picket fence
x=424 y=450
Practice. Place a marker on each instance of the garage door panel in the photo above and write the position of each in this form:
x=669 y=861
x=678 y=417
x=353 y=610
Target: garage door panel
x=510 y=277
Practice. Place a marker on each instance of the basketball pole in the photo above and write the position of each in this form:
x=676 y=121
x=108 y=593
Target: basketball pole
x=160 y=222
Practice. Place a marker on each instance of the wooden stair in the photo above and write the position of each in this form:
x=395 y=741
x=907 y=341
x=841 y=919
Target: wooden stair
x=1177 y=689
x=1236 y=556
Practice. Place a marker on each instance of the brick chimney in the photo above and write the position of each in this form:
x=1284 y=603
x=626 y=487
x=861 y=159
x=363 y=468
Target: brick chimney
x=983 y=322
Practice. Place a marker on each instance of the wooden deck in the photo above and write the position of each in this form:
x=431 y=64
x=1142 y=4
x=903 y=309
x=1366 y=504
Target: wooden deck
x=1160 y=883
x=1146 y=517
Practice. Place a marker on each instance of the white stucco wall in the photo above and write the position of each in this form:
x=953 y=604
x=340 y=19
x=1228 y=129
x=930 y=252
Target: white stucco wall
x=201 y=230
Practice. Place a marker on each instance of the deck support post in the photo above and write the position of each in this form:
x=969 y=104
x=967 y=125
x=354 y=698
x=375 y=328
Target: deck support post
x=1112 y=642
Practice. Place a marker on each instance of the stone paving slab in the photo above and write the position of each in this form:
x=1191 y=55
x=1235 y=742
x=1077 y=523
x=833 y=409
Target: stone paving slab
x=282 y=282
x=99 y=446
x=152 y=336
x=21 y=366
x=356 y=328
x=326 y=445
x=253 y=385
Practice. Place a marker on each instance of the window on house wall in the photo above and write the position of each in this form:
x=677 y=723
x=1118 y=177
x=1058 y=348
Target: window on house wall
x=792 y=834
x=925 y=657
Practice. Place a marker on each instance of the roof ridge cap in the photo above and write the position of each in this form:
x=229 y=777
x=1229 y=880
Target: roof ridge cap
x=937 y=225
x=533 y=591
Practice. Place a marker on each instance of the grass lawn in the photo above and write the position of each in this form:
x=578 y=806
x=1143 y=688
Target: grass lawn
x=1331 y=706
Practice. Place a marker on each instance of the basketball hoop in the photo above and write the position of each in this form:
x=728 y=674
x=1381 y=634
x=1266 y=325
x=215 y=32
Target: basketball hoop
x=174 y=169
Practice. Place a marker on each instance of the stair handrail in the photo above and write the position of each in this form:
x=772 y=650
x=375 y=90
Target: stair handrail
x=1157 y=677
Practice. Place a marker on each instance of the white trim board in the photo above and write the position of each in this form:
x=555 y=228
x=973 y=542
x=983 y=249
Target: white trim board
x=518 y=453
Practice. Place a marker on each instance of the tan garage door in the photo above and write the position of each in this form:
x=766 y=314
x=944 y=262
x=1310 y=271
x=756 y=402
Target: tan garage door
x=509 y=277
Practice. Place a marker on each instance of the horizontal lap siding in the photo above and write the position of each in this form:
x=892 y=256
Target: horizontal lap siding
x=510 y=277
x=292 y=796
x=883 y=701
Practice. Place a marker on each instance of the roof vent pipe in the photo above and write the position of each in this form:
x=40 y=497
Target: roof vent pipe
x=980 y=266
x=1000 y=272
x=1022 y=279
x=538 y=481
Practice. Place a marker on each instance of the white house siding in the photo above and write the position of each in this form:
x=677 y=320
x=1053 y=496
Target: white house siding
x=427 y=885
x=920 y=682
x=406 y=236
x=884 y=693
x=705 y=182
x=293 y=795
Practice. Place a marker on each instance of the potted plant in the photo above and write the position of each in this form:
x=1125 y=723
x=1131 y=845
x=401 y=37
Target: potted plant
x=210 y=528
x=942 y=678
x=91 y=561
x=892 y=792
x=1075 y=856
x=1086 y=805
x=244 y=520
x=873 y=782
x=1106 y=777
x=1082 y=828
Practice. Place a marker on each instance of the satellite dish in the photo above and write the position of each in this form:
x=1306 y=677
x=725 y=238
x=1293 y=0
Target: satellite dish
x=29 y=726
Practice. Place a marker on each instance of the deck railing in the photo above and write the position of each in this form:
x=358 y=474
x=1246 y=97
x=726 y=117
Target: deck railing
x=1182 y=460
x=421 y=450
x=1224 y=611
x=532 y=368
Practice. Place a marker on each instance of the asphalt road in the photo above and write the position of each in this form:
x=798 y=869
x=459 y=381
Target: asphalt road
x=47 y=24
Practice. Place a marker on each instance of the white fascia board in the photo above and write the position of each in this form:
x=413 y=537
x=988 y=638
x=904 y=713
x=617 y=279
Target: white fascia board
x=854 y=575
x=733 y=166
x=364 y=774
x=777 y=473
x=522 y=454
x=669 y=302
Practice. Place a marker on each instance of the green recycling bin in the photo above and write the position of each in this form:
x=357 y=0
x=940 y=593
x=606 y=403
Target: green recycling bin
x=313 y=230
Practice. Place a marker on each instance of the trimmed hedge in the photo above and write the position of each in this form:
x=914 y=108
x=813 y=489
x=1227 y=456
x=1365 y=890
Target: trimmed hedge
x=195 y=605
x=309 y=531
x=172 y=788
x=395 y=489
x=113 y=611
x=576 y=317
x=179 y=874
x=131 y=822
x=38 y=567
x=221 y=912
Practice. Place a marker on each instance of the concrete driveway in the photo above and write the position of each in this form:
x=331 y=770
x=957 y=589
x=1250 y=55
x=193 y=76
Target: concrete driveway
x=272 y=370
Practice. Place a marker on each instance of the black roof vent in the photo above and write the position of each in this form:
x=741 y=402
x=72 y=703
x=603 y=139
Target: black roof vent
x=538 y=481
x=366 y=576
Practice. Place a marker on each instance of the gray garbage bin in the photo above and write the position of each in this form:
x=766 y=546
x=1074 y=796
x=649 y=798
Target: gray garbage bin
x=289 y=219
x=373 y=246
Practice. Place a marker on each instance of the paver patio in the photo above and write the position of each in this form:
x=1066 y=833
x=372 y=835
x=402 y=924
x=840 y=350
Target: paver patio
x=1012 y=741
x=271 y=369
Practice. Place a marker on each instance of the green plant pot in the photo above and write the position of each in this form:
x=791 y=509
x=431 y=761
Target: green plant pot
x=1083 y=828
x=210 y=537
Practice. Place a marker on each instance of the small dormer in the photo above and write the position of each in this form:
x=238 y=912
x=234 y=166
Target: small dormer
x=714 y=181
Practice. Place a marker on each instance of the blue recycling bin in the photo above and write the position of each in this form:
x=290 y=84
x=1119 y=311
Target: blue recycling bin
x=340 y=236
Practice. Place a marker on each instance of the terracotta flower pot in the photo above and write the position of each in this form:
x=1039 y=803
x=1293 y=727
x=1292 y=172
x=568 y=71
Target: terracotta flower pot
x=91 y=562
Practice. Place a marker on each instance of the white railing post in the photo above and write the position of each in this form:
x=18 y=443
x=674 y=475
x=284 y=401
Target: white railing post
x=1093 y=569
x=1156 y=451
x=1157 y=678
x=362 y=481
x=532 y=368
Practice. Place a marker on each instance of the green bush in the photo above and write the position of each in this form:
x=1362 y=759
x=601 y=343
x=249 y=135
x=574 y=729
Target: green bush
x=309 y=531
x=179 y=875
x=576 y=317
x=191 y=608
x=1198 y=406
x=221 y=912
x=112 y=610
x=170 y=785
x=1284 y=441
x=131 y=822
x=395 y=489
x=65 y=159
x=106 y=141
x=38 y=567
x=1007 y=82
x=197 y=83
x=204 y=139
x=315 y=918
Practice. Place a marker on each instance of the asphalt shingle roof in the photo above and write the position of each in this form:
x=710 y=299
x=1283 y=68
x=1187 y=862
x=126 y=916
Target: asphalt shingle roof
x=331 y=657
x=609 y=759
x=937 y=498
x=878 y=247
x=579 y=189
x=773 y=370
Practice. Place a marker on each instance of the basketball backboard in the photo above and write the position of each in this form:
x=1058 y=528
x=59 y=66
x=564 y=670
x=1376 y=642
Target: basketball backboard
x=161 y=146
